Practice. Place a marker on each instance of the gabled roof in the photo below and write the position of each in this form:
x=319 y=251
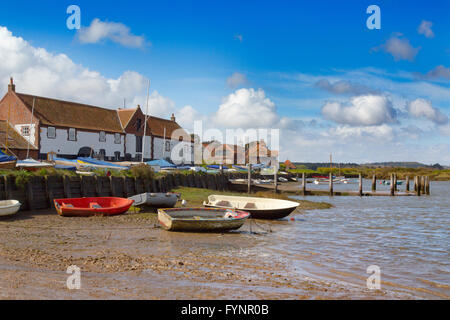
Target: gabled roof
x=15 y=139
x=61 y=113
x=125 y=116
x=157 y=126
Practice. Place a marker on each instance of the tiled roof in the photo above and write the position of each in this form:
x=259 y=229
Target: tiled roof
x=157 y=126
x=125 y=116
x=54 y=112
x=15 y=140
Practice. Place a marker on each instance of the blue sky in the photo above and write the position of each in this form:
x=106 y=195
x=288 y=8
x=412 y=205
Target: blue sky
x=291 y=53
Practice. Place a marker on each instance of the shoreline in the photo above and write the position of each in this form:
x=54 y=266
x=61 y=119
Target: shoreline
x=128 y=257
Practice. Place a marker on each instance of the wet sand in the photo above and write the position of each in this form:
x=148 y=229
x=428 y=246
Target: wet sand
x=130 y=257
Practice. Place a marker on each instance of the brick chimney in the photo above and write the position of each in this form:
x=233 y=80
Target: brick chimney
x=172 y=118
x=11 y=85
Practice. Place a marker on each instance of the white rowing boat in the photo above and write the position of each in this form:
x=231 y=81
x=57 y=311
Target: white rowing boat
x=9 y=207
x=259 y=208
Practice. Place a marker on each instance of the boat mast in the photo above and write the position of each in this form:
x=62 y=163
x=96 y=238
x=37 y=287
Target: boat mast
x=29 y=132
x=145 y=123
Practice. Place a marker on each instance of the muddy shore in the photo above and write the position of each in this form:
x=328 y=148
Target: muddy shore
x=130 y=257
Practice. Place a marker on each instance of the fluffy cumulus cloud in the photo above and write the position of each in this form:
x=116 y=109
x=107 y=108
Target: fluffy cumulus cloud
x=37 y=71
x=425 y=29
x=366 y=110
x=116 y=32
x=383 y=132
x=247 y=108
x=421 y=108
x=399 y=47
x=237 y=79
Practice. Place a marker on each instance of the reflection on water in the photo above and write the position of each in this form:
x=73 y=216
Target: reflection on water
x=407 y=237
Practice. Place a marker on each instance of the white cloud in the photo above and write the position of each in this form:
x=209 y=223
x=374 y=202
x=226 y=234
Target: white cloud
x=368 y=110
x=247 y=108
x=425 y=29
x=343 y=87
x=237 y=79
x=117 y=32
x=383 y=132
x=421 y=108
x=399 y=47
x=37 y=71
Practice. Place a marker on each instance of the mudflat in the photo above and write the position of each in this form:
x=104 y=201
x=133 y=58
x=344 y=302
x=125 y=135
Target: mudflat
x=131 y=257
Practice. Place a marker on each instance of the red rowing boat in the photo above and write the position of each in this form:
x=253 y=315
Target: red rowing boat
x=88 y=207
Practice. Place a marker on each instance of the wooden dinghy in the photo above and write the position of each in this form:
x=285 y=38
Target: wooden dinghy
x=156 y=200
x=87 y=207
x=8 y=165
x=201 y=219
x=259 y=208
x=9 y=207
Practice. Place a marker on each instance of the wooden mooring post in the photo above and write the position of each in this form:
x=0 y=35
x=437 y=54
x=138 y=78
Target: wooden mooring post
x=392 y=185
x=304 y=183
x=422 y=184
x=395 y=182
x=374 y=183
x=360 y=192
x=407 y=184
x=249 y=178
x=427 y=186
x=419 y=187
x=331 y=184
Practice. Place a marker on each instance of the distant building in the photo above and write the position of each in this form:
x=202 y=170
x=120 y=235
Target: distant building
x=14 y=143
x=71 y=129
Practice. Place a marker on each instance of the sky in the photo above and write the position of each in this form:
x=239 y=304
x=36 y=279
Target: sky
x=311 y=69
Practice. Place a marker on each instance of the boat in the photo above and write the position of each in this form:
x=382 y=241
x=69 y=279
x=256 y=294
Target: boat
x=259 y=208
x=33 y=165
x=87 y=207
x=201 y=219
x=8 y=165
x=9 y=207
x=157 y=200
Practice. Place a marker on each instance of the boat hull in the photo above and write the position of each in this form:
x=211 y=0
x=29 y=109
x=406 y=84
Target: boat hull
x=8 y=165
x=156 y=200
x=88 y=207
x=205 y=224
x=9 y=207
x=259 y=208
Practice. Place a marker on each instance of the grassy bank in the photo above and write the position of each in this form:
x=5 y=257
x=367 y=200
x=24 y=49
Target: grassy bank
x=195 y=197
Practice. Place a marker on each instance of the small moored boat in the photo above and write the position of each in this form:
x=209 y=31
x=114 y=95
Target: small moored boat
x=201 y=219
x=87 y=207
x=156 y=200
x=9 y=207
x=259 y=208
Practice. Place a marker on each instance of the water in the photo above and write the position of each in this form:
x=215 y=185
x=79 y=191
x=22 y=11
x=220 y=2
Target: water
x=407 y=237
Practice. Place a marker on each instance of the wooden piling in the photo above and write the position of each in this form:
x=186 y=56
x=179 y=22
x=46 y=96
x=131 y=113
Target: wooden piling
x=407 y=184
x=331 y=184
x=395 y=182
x=427 y=186
x=303 y=183
x=422 y=184
x=419 y=187
x=392 y=185
x=360 y=185
x=374 y=183
x=249 y=178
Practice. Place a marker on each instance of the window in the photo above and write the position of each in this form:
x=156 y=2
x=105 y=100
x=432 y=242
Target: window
x=138 y=124
x=51 y=132
x=102 y=154
x=168 y=146
x=117 y=156
x=102 y=137
x=138 y=144
x=72 y=134
x=25 y=131
x=117 y=138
